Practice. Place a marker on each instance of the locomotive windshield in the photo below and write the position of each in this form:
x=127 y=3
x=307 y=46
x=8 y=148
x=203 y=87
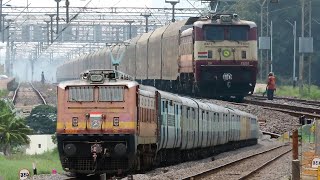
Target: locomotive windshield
x=220 y=33
x=105 y=94
x=81 y=94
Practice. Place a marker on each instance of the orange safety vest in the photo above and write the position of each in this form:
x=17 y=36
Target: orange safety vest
x=272 y=82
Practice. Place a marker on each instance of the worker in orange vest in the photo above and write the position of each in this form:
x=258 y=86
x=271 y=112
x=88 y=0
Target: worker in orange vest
x=271 y=86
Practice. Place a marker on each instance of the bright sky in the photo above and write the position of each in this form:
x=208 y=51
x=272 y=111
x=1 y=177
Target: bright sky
x=101 y=3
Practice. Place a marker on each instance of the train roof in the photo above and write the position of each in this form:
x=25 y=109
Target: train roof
x=202 y=105
x=216 y=108
x=170 y=96
x=242 y=113
x=223 y=19
x=188 y=102
x=79 y=82
x=148 y=88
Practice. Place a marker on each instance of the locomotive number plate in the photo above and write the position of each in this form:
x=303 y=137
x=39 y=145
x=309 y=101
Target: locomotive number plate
x=245 y=63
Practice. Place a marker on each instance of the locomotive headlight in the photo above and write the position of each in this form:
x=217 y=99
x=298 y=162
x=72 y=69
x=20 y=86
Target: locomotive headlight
x=70 y=149
x=120 y=149
x=87 y=116
x=226 y=18
x=96 y=78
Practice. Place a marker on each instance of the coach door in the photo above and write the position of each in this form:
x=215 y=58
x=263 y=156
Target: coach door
x=171 y=125
x=177 y=127
x=163 y=131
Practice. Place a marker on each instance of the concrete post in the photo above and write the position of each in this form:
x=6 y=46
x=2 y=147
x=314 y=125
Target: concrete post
x=317 y=137
x=295 y=144
x=295 y=160
x=296 y=169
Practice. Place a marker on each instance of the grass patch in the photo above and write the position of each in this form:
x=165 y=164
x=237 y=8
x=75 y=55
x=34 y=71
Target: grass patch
x=10 y=166
x=289 y=91
x=294 y=92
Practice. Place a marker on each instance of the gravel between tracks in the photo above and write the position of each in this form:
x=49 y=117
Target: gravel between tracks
x=269 y=173
x=185 y=169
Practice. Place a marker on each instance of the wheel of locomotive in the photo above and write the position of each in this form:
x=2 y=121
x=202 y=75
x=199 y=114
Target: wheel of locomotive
x=157 y=161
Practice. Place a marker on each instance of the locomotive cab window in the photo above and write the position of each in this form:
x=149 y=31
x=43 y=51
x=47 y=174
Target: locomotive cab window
x=81 y=94
x=220 y=33
x=111 y=93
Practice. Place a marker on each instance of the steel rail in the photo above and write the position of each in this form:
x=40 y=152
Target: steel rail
x=14 y=97
x=263 y=165
x=38 y=93
x=213 y=170
x=273 y=135
x=303 y=101
x=284 y=106
x=295 y=113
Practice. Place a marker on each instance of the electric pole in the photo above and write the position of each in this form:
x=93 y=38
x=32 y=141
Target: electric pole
x=264 y=39
x=51 y=26
x=173 y=3
x=130 y=27
x=305 y=42
x=67 y=11
x=57 y=18
x=146 y=15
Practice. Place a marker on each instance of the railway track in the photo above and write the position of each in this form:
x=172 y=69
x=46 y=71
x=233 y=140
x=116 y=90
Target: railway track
x=26 y=97
x=301 y=101
x=294 y=110
x=243 y=168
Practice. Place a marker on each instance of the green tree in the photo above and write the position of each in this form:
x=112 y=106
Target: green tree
x=279 y=14
x=42 y=119
x=13 y=130
x=3 y=93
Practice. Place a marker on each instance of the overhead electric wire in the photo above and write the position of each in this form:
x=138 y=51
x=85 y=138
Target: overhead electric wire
x=67 y=25
x=194 y=7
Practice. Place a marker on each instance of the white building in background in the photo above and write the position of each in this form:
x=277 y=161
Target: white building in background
x=40 y=144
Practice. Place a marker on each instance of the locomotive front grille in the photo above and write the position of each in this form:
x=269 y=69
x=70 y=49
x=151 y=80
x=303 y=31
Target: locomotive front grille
x=86 y=164
x=79 y=163
x=77 y=153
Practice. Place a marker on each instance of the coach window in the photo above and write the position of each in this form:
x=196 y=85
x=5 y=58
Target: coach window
x=81 y=94
x=193 y=114
x=188 y=109
x=162 y=103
